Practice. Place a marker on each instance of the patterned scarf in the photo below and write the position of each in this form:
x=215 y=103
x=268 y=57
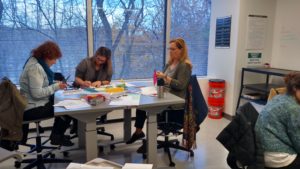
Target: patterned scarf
x=189 y=124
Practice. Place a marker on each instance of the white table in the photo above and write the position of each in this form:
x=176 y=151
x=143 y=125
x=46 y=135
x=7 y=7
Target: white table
x=87 y=121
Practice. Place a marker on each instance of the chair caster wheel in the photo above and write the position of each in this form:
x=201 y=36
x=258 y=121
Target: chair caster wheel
x=52 y=155
x=112 y=147
x=66 y=154
x=17 y=164
x=192 y=154
x=172 y=164
x=144 y=156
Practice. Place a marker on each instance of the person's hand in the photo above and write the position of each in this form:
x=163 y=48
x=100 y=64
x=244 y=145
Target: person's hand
x=86 y=84
x=62 y=85
x=160 y=74
x=96 y=84
x=105 y=82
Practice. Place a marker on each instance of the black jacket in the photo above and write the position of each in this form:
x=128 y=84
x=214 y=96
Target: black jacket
x=239 y=139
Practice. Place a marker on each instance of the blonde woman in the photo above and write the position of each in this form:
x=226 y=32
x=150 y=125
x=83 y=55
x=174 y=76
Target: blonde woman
x=176 y=75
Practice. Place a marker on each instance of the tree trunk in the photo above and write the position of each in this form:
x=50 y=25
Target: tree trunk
x=1 y=10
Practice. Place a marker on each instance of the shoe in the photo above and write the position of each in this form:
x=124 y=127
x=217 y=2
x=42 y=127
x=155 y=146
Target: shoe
x=60 y=140
x=135 y=137
x=142 y=149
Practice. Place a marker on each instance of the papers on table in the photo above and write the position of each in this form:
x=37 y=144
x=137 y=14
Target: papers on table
x=73 y=104
x=149 y=91
x=72 y=92
x=99 y=162
x=137 y=166
x=84 y=166
x=129 y=99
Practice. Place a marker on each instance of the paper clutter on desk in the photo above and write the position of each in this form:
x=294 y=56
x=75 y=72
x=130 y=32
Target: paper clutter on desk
x=84 y=166
x=137 y=166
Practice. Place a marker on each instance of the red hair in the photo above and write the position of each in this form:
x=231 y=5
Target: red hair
x=48 y=49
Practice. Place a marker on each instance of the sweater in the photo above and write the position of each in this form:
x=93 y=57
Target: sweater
x=278 y=125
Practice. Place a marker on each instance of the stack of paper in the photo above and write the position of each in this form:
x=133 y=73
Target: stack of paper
x=129 y=99
x=149 y=91
x=137 y=166
x=73 y=104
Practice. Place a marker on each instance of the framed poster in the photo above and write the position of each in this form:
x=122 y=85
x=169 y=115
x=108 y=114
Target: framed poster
x=223 y=30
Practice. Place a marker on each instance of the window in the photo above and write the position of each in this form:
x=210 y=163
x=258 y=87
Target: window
x=134 y=31
x=26 y=24
x=191 y=21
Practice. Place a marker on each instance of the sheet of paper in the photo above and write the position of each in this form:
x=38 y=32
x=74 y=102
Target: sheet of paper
x=72 y=104
x=137 y=166
x=84 y=166
x=129 y=99
x=149 y=91
x=72 y=92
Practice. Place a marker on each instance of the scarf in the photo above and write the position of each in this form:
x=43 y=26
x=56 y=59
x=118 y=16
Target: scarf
x=47 y=69
x=189 y=124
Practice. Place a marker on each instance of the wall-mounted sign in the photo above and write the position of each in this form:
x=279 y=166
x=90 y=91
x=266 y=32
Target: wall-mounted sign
x=254 y=59
x=223 y=29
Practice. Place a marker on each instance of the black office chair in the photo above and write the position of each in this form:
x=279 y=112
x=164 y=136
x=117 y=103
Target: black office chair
x=195 y=108
x=172 y=126
x=41 y=159
x=101 y=130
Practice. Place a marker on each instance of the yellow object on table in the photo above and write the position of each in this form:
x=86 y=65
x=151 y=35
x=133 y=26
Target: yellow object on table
x=114 y=90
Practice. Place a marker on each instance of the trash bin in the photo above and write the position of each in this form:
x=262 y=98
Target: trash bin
x=216 y=98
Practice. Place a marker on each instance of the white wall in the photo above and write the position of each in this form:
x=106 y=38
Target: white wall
x=286 y=44
x=227 y=63
x=221 y=62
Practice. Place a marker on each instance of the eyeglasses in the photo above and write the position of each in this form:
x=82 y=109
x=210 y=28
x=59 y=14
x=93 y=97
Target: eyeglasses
x=172 y=49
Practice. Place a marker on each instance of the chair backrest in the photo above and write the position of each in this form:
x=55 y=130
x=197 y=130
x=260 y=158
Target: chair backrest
x=199 y=105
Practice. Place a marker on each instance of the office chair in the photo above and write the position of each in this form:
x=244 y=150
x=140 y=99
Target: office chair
x=101 y=130
x=172 y=126
x=183 y=121
x=41 y=158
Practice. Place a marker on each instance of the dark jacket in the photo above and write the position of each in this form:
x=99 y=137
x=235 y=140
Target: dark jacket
x=239 y=139
x=12 y=106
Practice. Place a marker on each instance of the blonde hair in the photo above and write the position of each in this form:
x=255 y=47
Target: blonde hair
x=180 y=44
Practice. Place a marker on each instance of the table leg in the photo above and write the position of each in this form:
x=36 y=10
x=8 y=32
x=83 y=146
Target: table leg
x=151 y=139
x=127 y=124
x=152 y=134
